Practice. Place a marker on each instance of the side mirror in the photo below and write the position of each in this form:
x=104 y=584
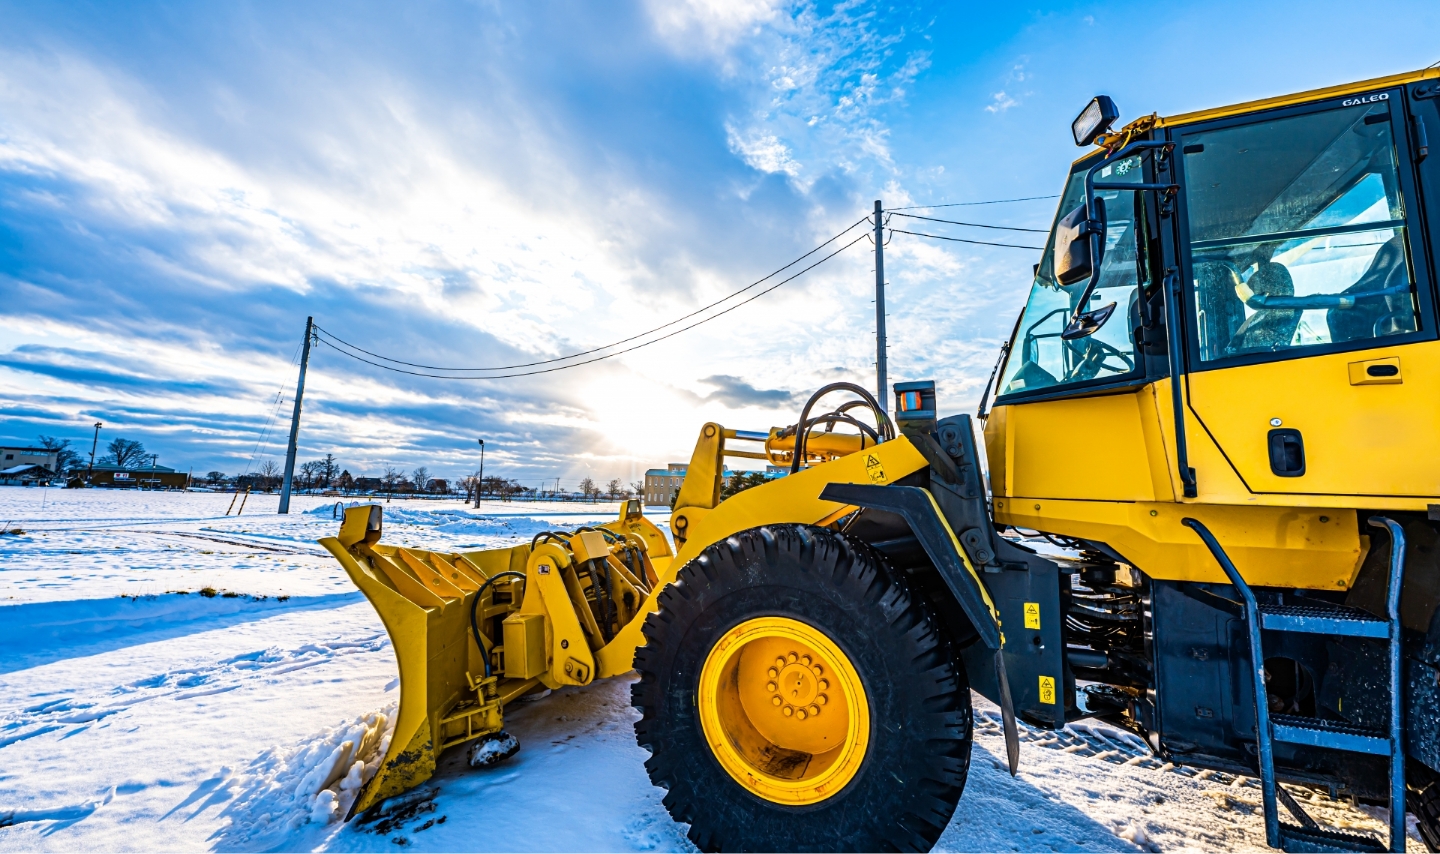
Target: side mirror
x=1072 y=244
x=1088 y=323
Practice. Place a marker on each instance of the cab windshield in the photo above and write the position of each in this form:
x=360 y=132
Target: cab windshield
x=1039 y=357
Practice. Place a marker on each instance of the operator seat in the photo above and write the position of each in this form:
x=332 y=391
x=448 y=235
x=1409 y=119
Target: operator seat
x=1221 y=311
x=1372 y=317
x=1268 y=328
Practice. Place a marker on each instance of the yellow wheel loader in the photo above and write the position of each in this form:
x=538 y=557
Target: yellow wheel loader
x=1207 y=513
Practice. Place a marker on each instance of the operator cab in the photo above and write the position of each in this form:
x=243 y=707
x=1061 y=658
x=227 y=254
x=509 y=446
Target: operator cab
x=1284 y=249
x=1295 y=234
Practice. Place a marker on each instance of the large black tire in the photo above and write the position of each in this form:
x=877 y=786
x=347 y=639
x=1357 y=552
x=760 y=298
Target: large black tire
x=1423 y=800
x=915 y=764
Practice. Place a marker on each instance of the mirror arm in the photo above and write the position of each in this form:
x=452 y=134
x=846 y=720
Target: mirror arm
x=1096 y=231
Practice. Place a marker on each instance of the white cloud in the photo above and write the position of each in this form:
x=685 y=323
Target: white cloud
x=709 y=26
x=764 y=152
x=1001 y=102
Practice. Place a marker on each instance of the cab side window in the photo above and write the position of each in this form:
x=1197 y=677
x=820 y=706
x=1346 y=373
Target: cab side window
x=1039 y=358
x=1297 y=233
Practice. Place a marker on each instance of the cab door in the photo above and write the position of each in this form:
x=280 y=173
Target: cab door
x=1313 y=358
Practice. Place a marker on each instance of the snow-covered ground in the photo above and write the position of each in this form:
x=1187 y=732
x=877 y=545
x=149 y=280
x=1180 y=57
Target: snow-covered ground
x=138 y=714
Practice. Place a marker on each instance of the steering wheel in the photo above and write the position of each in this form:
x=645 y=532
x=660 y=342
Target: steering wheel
x=1094 y=356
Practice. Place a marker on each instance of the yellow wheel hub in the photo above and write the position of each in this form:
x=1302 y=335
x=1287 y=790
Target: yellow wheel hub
x=784 y=711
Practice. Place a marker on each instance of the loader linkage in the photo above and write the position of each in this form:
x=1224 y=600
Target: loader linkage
x=475 y=631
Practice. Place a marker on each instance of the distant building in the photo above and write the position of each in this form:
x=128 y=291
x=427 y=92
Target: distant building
x=28 y=474
x=138 y=477
x=662 y=484
x=11 y=457
x=369 y=484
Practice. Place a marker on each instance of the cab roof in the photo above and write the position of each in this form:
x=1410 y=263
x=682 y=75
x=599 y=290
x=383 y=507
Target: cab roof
x=1302 y=97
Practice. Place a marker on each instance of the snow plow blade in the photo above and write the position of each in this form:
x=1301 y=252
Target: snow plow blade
x=474 y=631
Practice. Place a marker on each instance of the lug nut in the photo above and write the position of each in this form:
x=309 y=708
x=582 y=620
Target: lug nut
x=772 y=673
x=822 y=699
x=771 y=686
x=789 y=711
x=775 y=701
x=791 y=658
x=805 y=660
x=800 y=714
x=819 y=671
x=814 y=710
x=824 y=685
x=779 y=662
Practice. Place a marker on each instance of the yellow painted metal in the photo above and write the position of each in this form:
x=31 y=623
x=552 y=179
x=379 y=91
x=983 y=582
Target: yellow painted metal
x=795 y=499
x=1371 y=439
x=1374 y=84
x=525 y=653
x=1271 y=546
x=784 y=710
x=1098 y=466
x=546 y=634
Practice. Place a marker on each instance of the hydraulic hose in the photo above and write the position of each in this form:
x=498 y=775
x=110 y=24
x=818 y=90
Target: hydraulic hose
x=882 y=420
x=475 y=606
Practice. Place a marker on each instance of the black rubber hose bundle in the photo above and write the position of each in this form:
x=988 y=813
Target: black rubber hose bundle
x=802 y=428
x=475 y=606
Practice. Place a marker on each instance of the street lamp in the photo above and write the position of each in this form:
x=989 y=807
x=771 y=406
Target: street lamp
x=90 y=472
x=480 y=482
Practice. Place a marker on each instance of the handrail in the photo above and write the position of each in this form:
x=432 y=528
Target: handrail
x=1171 y=287
x=1257 y=672
x=1397 y=729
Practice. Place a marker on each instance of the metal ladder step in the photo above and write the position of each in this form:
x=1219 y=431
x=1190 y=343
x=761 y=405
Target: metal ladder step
x=1294 y=838
x=1329 y=620
x=1333 y=734
x=1324 y=620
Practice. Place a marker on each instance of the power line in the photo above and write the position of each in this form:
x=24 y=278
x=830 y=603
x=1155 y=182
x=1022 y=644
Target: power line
x=607 y=355
x=970 y=204
x=279 y=402
x=697 y=311
x=961 y=240
x=975 y=224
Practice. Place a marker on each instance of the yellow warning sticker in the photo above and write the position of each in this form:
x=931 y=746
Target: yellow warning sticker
x=1032 y=615
x=1047 y=690
x=874 y=469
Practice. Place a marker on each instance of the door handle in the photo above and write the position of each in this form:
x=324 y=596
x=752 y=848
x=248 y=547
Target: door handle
x=1287 y=452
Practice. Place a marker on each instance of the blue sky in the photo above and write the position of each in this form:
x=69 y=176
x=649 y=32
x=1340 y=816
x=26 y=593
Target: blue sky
x=492 y=183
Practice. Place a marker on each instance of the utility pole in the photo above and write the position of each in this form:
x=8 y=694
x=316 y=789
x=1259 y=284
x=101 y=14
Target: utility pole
x=883 y=394
x=90 y=472
x=295 y=420
x=479 y=483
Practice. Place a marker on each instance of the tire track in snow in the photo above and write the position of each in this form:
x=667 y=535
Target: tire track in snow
x=1235 y=793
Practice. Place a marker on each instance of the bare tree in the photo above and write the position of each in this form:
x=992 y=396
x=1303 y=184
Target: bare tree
x=391 y=478
x=215 y=478
x=124 y=453
x=588 y=488
x=269 y=475
x=421 y=478
x=469 y=484
x=614 y=487
x=328 y=471
x=65 y=457
x=637 y=487
x=310 y=474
